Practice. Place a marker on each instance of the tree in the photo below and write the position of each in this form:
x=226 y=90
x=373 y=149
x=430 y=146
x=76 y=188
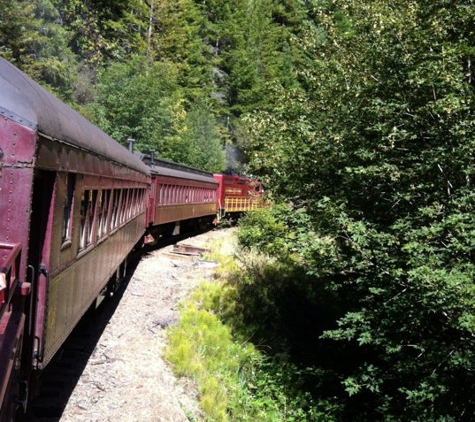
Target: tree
x=200 y=142
x=33 y=40
x=144 y=101
x=176 y=36
x=141 y=101
x=104 y=30
x=377 y=152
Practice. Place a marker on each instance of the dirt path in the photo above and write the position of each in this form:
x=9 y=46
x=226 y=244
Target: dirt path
x=126 y=378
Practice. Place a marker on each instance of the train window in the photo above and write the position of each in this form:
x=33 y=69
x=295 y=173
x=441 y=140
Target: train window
x=114 y=219
x=103 y=204
x=120 y=211
x=127 y=205
x=131 y=209
x=88 y=204
x=131 y=206
x=84 y=205
x=139 y=201
x=138 y=196
x=142 y=199
x=68 y=208
x=91 y=215
x=123 y=205
x=133 y=203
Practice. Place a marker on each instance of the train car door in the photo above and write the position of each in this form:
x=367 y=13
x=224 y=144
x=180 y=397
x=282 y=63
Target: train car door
x=41 y=228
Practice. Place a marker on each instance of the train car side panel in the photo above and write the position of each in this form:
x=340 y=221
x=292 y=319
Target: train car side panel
x=180 y=195
x=174 y=213
x=72 y=290
x=181 y=199
x=18 y=144
x=17 y=147
x=93 y=222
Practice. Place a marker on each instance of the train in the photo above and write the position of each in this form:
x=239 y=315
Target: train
x=74 y=204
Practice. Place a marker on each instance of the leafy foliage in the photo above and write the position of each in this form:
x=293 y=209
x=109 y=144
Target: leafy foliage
x=376 y=154
x=104 y=30
x=138 y=100
x=200 y=142
x=236 y=381
x=150 y=109
x=32 y=39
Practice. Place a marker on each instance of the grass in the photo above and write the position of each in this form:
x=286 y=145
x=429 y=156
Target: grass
x=236 y=381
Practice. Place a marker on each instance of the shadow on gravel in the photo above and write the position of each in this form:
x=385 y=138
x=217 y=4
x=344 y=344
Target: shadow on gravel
x=58 y=380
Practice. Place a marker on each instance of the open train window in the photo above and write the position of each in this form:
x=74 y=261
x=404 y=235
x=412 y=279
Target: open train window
x=167 y=194
x=88 y=205
x=114 y=211
x=124 y=206
x=103 y=204
x=133 y=203
x=68 y=209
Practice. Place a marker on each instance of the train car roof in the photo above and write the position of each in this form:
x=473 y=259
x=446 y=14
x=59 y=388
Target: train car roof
x=161 y=167
x=26 y=102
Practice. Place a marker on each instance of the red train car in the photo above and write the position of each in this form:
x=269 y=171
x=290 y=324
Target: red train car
x=238 y=194
x=72 y=206
x=180 y=196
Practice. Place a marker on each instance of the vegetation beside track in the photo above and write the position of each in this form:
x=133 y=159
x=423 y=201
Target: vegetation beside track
x=213 y=345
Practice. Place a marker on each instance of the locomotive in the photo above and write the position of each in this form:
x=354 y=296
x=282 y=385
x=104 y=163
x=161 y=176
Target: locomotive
x=238 y=194
x=73 y=205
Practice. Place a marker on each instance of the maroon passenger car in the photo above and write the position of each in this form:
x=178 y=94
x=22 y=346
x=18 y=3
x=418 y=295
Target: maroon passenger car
x=72 y=207
x=180 y=196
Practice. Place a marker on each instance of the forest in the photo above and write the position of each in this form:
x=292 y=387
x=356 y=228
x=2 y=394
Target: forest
x=359 y=116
